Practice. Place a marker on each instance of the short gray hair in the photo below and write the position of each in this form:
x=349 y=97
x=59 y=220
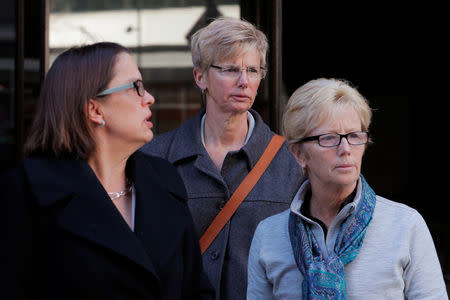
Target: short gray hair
x=224 y=38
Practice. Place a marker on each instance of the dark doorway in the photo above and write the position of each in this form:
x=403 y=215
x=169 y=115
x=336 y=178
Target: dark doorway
x=391 y=55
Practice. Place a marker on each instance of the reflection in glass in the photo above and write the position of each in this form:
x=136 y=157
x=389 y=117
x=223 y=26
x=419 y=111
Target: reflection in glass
x=158 y=34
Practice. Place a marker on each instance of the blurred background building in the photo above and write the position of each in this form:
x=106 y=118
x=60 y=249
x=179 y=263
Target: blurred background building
x=382 y=49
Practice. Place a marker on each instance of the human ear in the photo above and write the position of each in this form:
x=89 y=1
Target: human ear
x=94 y=112
x=299 y=154
x=200 y=78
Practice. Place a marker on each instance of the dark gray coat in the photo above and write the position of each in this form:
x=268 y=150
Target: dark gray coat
x=225 y=261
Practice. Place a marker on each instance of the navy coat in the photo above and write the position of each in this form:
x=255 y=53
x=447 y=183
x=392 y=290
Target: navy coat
x=225 y=261
x=67 y=240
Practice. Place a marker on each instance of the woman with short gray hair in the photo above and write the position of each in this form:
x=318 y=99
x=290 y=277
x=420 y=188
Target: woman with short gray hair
x=216 y=150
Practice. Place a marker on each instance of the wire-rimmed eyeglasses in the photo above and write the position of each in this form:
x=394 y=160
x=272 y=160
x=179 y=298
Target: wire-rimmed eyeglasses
x=234 y=72
x=138 y=85
x=334 y=139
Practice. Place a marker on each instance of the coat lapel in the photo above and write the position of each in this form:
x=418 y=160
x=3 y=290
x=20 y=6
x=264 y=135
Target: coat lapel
x=157 y=221
x=89 y=213
x=258 y=141
x=183 y=148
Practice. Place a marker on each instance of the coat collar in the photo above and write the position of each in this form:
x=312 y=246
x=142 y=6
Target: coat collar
x=299 y=200
x=52 y=180
x=87 y=211
x=187 y=141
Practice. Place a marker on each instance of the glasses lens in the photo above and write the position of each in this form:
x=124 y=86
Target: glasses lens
x=253 y=72
x=329 y=140
x=139 y=87
x=232 y=72
x=235 y=72
x=357 y=138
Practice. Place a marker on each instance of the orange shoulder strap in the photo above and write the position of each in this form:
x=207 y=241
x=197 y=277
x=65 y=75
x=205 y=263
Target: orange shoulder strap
x=241 y=192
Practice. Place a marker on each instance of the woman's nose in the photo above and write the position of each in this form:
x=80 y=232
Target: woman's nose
x=344 y=146
x=148 y=98
x=243 y=79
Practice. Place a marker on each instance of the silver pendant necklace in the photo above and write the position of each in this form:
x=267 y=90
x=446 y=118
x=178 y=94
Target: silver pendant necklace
x=117 y=195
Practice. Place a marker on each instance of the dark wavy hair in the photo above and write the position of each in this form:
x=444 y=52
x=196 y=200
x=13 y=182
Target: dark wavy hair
x=60 y=126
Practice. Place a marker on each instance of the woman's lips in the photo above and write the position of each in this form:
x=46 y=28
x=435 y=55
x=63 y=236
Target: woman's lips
x=241 y=97
x=344 y=167
x=148 y=122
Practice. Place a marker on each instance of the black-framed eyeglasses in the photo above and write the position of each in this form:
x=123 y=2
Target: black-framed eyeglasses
x=234 y=72
x=334 y=139
x=138 y=85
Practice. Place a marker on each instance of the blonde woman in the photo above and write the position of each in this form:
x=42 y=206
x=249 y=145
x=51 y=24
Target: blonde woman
x=215 y=150
x=339 y=240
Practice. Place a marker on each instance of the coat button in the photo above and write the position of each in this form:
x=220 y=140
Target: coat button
x=215 y=255
x=222 y=204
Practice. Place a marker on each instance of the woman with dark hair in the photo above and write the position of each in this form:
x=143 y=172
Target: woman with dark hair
x=87 y=216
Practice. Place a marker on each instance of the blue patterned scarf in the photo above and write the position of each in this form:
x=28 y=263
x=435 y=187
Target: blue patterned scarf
x=324 y=278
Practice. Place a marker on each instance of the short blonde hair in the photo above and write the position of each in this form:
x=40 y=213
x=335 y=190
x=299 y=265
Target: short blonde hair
x=316 y=101
x=225 y=38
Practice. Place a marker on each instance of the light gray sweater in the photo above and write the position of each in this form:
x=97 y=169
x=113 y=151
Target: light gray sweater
x=397 y=260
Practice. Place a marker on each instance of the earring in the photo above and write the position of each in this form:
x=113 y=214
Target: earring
x=204 y=97
x=102 y=123
x=305 y=172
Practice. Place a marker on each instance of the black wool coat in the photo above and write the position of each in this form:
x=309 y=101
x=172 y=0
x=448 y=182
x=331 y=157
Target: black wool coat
x=67 y=240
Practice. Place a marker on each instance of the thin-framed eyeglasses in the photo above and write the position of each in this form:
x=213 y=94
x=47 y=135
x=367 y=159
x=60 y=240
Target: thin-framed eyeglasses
x=334 y=139
x=234 y=72
x=138 y=85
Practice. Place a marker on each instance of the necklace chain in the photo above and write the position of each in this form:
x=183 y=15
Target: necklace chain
x=117 y=195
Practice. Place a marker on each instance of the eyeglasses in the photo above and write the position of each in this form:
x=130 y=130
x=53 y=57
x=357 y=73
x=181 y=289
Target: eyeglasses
x=138 y=85
x=235 y=72
x=334 y=139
